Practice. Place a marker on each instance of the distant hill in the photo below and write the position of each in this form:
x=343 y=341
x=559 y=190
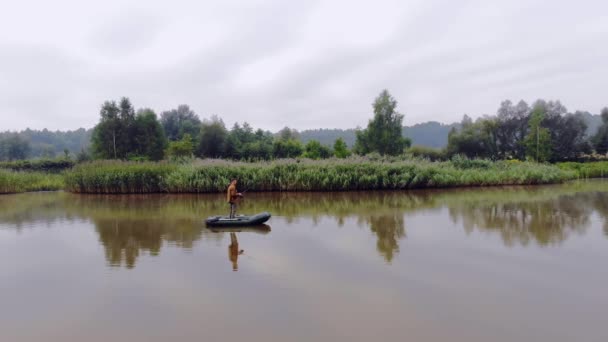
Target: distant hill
x=45 y=143
x=328 y=136
x=432 y=134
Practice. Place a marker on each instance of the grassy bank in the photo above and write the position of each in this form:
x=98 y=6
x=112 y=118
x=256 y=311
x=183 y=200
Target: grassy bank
x=292 y=175
x=586 y=170
x=14 y=182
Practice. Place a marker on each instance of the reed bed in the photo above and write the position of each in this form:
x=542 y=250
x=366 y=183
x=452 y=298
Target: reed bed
x=15 y=182
x=305 y=175
x=586 y=170
x=116 y=177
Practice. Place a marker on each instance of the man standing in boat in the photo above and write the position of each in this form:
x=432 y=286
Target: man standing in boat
x=232 y=197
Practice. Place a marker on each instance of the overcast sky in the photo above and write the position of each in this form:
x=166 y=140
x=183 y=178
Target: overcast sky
x=305 y=64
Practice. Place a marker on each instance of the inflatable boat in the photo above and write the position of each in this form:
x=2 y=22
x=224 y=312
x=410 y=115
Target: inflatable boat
x=237 y=221
x=258 y=229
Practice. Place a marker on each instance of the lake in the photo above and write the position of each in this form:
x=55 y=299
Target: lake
x=495 y=264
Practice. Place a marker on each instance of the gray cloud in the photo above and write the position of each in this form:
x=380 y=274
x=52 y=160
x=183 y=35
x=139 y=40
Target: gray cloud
x=126 y=34
x=304 y=64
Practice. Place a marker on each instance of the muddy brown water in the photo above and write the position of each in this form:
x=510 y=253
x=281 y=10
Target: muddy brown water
x=497 y=264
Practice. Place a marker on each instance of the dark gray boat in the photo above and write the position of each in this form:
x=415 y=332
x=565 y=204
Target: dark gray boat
x=238 y=221
x=257 y=229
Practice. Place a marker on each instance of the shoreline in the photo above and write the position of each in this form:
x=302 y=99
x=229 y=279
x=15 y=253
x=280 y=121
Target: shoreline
x=356 y=174
x=409 y=190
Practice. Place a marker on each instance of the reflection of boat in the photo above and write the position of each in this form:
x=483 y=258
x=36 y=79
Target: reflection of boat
x=238 y=221
x=260 y=229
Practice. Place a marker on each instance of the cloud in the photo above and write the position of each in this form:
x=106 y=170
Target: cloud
x=126 y=34
x=306 y=65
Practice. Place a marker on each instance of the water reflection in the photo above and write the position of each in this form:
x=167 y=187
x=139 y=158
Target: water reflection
x=545 y=222
x=234 y=251
x=125 y=239
x=600 y=204
x=128 y=226
x=389 y=229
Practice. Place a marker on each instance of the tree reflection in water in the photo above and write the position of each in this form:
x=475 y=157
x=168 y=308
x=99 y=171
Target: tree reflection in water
x=599 y=203
x=388 y=230
x=124 y=239
x=130 y=225
x=544 y=222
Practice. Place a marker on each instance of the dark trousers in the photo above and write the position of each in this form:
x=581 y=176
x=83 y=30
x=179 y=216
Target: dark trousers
x=232 y=209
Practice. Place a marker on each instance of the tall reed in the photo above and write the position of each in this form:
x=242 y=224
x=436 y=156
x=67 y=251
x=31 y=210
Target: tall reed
x=14 y=182
x=586 y=170
x=304 y=175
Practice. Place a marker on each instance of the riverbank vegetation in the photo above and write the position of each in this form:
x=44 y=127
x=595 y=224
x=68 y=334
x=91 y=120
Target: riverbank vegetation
x=586 y=170
x=14 y=182
x=133 y=151
x=544 y=131
x=373 y=172
x=518 y=215
x=306 y=175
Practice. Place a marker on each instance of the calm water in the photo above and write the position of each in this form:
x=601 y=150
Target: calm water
x=508 y=264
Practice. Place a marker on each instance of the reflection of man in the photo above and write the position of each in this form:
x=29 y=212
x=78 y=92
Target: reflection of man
x=232 y=197
x=233 y=251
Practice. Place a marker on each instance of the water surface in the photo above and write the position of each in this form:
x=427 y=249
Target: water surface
x=499 y=264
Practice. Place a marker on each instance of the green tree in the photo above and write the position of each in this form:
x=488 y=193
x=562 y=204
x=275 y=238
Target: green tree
x=126 y=116
x=213 y=137
x=148 y=136
x=384 y=132
x=314 y=150
x=183 y=148
x=121 y=134
x=600 y=139
x=180 y=121
x=474 y=140
x=104 y=139
x=340 y=148
x=568 y=137
x=538 y=139
x=13 y=146
x=286 y=148
x=288 y=134
x=259 y=148
x=511 y=129
x=112 y=136
x=237 y=139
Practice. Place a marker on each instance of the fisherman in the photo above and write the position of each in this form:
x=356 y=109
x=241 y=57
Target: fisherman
x=232 y=197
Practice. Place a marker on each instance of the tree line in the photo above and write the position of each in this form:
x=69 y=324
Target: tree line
x=544 y=131
x=124 y=133
x=43 y=143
